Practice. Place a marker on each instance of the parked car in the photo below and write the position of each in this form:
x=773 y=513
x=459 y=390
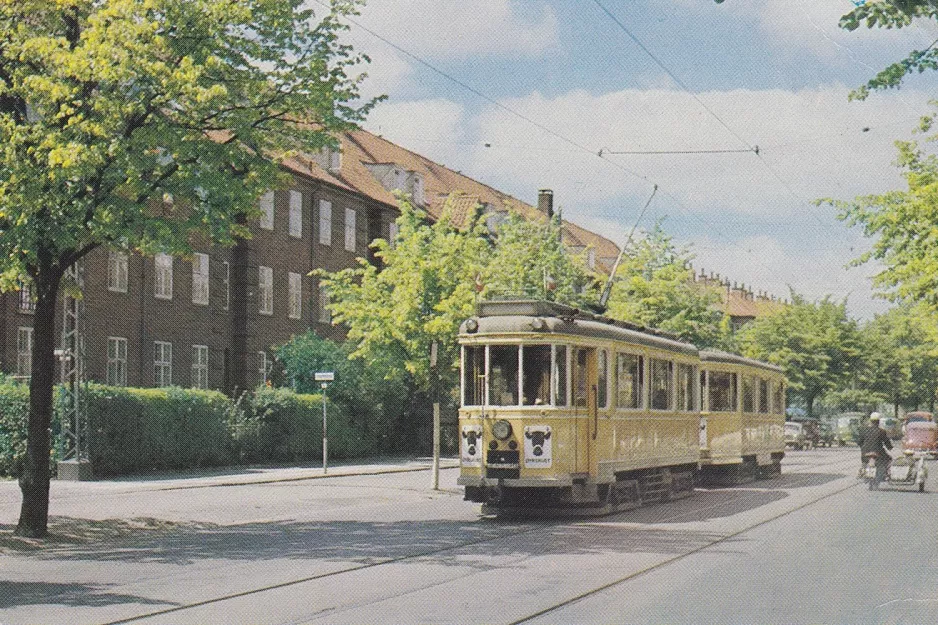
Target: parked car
x=827 y=435
x=795 y=436
x=918 y=415
x=848 y=427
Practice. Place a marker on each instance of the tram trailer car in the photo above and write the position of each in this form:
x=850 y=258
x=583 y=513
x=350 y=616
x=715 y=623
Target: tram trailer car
x=742 y=423
x=569 y=412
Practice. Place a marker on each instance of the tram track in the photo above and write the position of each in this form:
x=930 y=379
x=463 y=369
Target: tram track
x=745 y=490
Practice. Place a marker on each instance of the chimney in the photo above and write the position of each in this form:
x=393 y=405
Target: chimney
x=545 y=202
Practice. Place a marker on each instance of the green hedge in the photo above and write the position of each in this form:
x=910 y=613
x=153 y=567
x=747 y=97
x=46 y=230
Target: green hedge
x=278 y=425
x=136 y=430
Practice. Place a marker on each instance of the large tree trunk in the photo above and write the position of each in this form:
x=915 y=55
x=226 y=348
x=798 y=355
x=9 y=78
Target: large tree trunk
x=34 y=473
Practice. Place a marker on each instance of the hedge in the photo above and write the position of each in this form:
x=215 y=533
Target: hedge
x=136 y=430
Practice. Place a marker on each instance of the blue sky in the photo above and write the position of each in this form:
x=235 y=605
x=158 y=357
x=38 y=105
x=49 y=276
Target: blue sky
x=562 y=80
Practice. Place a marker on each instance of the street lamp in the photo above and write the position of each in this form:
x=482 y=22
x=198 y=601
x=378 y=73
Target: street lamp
x=324 y=377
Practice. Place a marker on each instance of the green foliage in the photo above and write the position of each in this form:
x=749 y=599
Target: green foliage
x=816 y=344
x=14 y=413
x=654 y=287
x=277 y=425
x=135 y=430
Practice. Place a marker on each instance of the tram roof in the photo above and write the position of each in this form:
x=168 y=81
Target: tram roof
x=714 y=355
x=514 y=316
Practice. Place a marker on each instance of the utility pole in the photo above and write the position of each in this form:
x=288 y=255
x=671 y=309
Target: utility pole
x=76 y=461
x=435 y=383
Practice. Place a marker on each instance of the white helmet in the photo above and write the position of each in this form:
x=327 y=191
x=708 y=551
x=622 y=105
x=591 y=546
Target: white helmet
x=875 y=416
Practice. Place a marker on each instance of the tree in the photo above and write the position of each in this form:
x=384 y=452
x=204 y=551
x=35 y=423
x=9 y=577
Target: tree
x=147 y=125
x=814 y=342
x=654 y=286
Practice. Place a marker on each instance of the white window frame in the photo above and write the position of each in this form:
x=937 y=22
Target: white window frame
x=200 y=279
x=117 y=263
x=162 y=363
x=265 y=290
x=24 y=351
x=199 y=373
x=116 y=374
x=226 y=280
x=325 y=222
x=264 y=367
x=350 y=238
x=163 y=276
x=266 y=204
x=295 y=292
x=296 y=214
x=325 y=315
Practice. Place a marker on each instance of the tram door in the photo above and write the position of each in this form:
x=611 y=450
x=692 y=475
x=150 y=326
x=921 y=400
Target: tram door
x=585 y=405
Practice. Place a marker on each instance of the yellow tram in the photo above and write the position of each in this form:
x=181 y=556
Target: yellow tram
x=567 y=411
x=742 y=424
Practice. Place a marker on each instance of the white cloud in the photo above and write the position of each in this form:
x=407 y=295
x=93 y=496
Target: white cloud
x=456 y=28
x=434 y=128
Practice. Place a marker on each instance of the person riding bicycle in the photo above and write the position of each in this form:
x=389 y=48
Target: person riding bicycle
x=876 y=441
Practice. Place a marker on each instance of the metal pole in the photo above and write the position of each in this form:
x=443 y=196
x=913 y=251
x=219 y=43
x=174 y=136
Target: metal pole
x=325 y=438
x=436 y=446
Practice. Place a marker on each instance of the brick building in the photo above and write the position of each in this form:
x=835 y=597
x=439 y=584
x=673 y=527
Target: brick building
x=211 y=321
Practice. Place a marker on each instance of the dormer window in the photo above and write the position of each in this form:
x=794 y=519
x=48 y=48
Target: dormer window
x=329 y=159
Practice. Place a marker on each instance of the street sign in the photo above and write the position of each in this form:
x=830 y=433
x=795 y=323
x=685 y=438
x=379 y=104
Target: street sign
x=324 y=376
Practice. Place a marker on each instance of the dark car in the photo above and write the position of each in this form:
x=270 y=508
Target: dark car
x=827 y=436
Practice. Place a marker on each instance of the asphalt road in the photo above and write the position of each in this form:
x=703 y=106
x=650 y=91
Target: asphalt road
x=810 y=547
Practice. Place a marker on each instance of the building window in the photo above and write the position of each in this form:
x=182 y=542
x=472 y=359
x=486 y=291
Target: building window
x=325 y=315
x=27 y=302
x=116 y=361
x=226 y=280
x=265 y=290
x=162 y=363
x=163 y=288
x=349 y=230
x=325 y=222
x=296 y=295
x=24 y=352
x=267 y=211
x=200 y=279
x=296 y=214
x=264 y=366
x=199 y=366
x=117 y=272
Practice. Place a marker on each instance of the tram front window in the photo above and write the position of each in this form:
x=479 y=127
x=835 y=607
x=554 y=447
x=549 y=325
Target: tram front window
x=560 y=375
x=535 y=367
x=503 y=389
x=473 y=375
x=722 y=391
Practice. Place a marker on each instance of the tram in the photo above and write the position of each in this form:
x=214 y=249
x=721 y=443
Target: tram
x=564 y=411
x=742 y=423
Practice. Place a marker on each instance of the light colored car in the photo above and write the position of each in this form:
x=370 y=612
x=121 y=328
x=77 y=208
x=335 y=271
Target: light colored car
x=795 y=436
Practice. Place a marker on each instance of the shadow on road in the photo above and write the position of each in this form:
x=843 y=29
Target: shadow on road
x=16 y=594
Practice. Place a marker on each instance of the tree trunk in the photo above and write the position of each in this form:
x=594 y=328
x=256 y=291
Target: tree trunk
x=34 y=472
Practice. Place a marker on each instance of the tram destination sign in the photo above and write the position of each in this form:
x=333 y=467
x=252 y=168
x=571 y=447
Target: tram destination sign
x=324 y=376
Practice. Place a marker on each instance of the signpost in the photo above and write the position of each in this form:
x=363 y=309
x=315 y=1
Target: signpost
x=324 y=378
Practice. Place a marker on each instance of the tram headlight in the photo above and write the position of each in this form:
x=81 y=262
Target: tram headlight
x=501 y=429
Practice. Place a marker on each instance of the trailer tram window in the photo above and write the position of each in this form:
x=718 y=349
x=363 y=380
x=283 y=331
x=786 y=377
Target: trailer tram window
x=503 y=371
x=722 y=387
x=473 y=375
x=662 y=372
x=630 y=378
x=749 y=394
x=685 y=388
x=560 y=375
x=778 y=398
x=763 y=396
x=535 y=371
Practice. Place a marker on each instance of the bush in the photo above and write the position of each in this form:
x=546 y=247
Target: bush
x=134 y=430
x=278 y=425
x=14 y=416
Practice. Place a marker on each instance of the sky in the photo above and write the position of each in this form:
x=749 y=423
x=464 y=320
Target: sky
x=531 y=94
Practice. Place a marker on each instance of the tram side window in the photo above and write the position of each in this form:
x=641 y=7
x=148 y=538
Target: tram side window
x=603 y=382
x=630 y=377
x=503 y=366
x=722 y=386
x=763 y=396
x=778 y=401
x=661 y=381
x=473 y=375
x=749 y=394
x=685 y=387
x=535 y=371
x=560 y=375
x=580 y=378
